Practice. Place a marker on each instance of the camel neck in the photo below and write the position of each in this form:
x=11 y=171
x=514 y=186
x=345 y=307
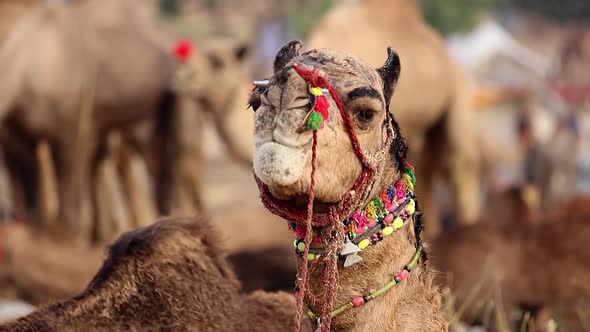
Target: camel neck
x=384 y=216
x=371 y=290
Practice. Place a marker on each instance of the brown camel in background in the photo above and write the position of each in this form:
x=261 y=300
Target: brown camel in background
x=103 y=66
x=170 y=275
x=211 y=88
x=432 y=101
x=504 y=260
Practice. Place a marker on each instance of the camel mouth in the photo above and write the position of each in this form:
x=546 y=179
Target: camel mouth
x=300 y=203
x=295 y=204
x=279 y=165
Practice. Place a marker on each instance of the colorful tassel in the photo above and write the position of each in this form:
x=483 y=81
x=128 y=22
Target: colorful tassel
x=315 y=120
x=321 y=109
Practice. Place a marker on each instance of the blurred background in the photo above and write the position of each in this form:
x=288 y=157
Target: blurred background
x=115 y=112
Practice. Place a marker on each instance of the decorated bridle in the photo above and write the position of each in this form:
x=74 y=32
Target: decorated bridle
x=361 y=188
x=392 y=217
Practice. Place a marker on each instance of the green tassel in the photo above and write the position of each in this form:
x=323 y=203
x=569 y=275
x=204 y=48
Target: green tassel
x=410 y=172
x=315 y=120
x=378 y=203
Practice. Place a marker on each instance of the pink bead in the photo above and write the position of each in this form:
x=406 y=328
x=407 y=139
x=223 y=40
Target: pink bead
x=403 y=274
x=299 y=232
x=372 y=223
x=317 y=239
x=400 y=187
x=388 y=218
x=358 y=301
x=391 y=207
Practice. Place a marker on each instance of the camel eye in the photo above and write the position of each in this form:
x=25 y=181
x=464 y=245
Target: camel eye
x=366 y=115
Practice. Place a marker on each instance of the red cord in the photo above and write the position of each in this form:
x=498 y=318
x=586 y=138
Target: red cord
x=345 y=207
x=308 y=235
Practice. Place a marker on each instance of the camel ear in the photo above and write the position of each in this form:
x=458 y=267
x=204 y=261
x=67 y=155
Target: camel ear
x=287 y=53
x=389 y=72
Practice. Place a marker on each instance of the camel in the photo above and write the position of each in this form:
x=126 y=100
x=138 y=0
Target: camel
x=360 y=154
x=432 y=102
x=138 y=286
x=209 y=83
x=172 y=275
x=497 y=264
x=81 y=85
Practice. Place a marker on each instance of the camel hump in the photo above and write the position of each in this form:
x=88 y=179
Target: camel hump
x=172 y=240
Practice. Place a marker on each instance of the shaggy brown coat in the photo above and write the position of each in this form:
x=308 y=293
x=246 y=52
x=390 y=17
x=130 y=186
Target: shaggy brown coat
x=172 y=275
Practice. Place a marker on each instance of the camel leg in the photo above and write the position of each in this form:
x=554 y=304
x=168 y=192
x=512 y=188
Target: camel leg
x=6 y=195
x=75 y=208
x=113 y=215
x=138 y=185
x=118 y=207
x=425 y=173
x=461 y=155
x=48 y=193
x=189 y=166
x=424 y=152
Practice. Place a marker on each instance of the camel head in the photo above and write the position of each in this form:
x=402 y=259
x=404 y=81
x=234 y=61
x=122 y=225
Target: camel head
x=211 y=76
x=283 y=142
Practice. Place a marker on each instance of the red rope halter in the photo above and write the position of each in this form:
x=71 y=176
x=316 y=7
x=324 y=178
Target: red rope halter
x=360 y=188
x=351 y=200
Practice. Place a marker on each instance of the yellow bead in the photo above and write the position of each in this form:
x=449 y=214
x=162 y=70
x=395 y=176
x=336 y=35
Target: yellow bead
x=398 y=223
x=301 y=246
x=411 y=209
x=316 y=91
x=310 y=257
x=387 y=230
x=407 y=178
x=364 y=243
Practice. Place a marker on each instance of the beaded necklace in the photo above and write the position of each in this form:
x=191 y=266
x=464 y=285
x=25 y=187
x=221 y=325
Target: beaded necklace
x=383 y=215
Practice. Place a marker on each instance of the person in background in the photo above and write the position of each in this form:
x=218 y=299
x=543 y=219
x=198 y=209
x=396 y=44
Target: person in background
x=531 y=154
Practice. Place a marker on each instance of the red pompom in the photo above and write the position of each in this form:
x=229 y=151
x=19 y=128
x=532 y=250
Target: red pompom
x=322 y=105
x=183 y=50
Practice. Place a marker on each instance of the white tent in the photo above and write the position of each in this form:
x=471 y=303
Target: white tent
x=489 y=53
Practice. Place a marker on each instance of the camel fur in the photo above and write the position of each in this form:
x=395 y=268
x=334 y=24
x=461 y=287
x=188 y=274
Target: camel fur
x=11 y=11
x=432 y=102
x=172 y=275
